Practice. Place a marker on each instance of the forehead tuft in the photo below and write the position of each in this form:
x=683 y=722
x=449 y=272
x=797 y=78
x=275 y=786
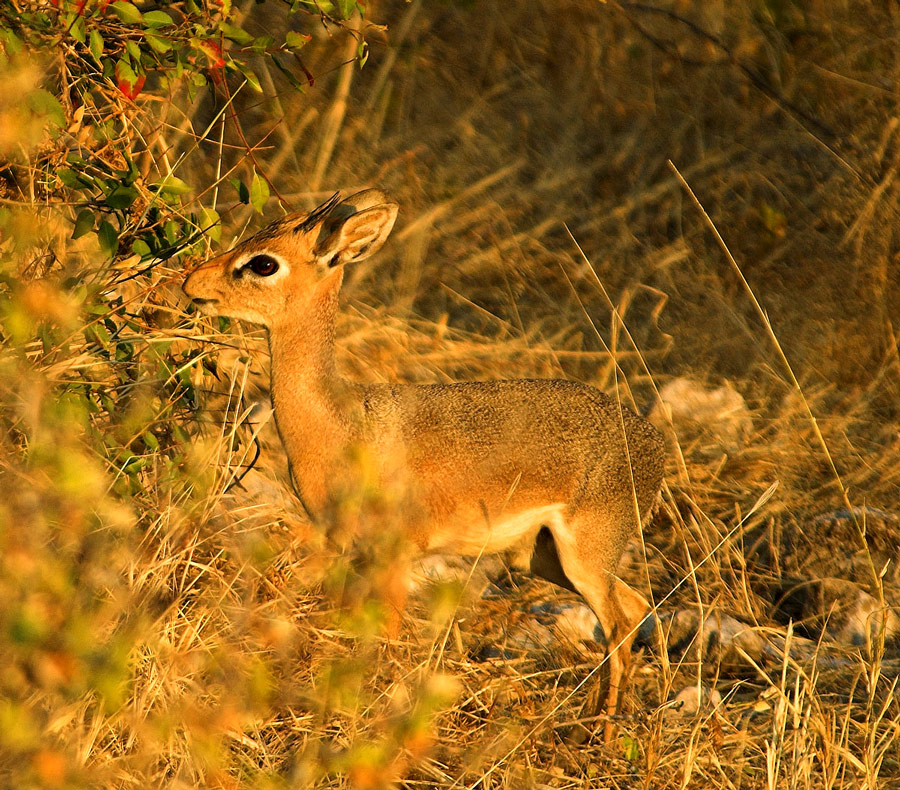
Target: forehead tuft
x=291 y=225
x=318 y=214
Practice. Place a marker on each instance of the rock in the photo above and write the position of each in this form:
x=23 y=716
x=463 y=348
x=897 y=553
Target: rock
x=573 y=622
x=821 y=574
x=857 y=617
x=840 y=610
x=453 y=569
x=721 y=638
x=691 y=699
x=435 y=568
x=686 y=411
x=859 y=513
x=646 y=632
x=845 y=544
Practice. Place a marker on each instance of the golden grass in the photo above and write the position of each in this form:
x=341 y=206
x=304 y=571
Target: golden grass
x=164 y=627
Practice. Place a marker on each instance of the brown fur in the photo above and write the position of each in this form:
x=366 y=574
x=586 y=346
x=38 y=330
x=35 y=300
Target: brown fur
x=474 y=467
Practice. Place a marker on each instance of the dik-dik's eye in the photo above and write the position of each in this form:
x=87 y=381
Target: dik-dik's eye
x=261 y=265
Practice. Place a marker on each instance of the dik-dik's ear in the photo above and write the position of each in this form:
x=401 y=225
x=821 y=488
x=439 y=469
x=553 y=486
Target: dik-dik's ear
x=361 y=232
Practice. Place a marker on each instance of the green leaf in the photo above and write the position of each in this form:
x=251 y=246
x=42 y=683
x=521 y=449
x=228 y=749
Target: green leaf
x=134 y=50
x=295 y=83
x=259 y=193
x=70 y=178
x=84 y=223
x=171 y=230
x=241 y=187
x=108 y=237
x=631 y=749
x=347 y=7
x=127 y=12
x=248 y=74
x=140 y=247
x=208 y=222
x=173 y=185
x=160 y=44
x=131 y=173
x=121 y=197
x=236 y=34
x=261 y=44
x=296 y=40
x=10 y=41
x=125 y=73
x=131 y=467
x=96 y=45
x=77 y=30
x=44 y=103
x=124 y=351
x=157 y=19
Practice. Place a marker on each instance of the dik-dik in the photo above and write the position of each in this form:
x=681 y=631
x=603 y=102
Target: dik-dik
x=554 y=472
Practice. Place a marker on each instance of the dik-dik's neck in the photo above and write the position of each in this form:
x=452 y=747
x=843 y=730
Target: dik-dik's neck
x=302 y=352
x=304 y=377
x=308 y=396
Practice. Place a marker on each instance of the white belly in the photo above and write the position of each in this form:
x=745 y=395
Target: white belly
x=489 y=536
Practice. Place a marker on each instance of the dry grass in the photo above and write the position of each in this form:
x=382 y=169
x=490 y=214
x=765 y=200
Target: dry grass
x=166 y=628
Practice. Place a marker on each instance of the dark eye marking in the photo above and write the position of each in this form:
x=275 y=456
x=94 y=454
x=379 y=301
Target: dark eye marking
x=260 y=265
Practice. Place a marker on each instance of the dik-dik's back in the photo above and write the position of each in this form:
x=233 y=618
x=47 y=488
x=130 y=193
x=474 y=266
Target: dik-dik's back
x=505 y=446
x=554 y=471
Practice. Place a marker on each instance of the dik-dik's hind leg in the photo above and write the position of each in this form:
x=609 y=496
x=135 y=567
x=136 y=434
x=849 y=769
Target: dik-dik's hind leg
x=589 y=551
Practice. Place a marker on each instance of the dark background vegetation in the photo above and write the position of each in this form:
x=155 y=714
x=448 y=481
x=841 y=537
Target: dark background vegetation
x=162 y=627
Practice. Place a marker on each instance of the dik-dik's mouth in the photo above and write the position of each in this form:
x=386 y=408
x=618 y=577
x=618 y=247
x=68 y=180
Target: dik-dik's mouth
x=201 y=303
x=204 y=305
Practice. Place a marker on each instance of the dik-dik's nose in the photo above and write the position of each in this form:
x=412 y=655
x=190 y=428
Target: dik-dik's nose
x=199 y=284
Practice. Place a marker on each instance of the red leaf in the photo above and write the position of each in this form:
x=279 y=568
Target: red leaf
x=213 y=53
x=128 y=82
x=136 y=88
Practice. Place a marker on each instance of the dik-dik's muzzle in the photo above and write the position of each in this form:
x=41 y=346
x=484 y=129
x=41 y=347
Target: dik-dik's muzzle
x=200 y=284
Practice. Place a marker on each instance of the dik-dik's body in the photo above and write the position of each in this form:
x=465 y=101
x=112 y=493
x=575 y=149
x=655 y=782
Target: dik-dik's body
x=555 y=472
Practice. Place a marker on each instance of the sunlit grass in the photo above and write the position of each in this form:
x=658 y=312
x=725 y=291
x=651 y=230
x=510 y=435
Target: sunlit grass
x=164 y=624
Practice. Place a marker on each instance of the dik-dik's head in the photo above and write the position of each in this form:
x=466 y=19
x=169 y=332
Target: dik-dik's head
x=280 y=269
